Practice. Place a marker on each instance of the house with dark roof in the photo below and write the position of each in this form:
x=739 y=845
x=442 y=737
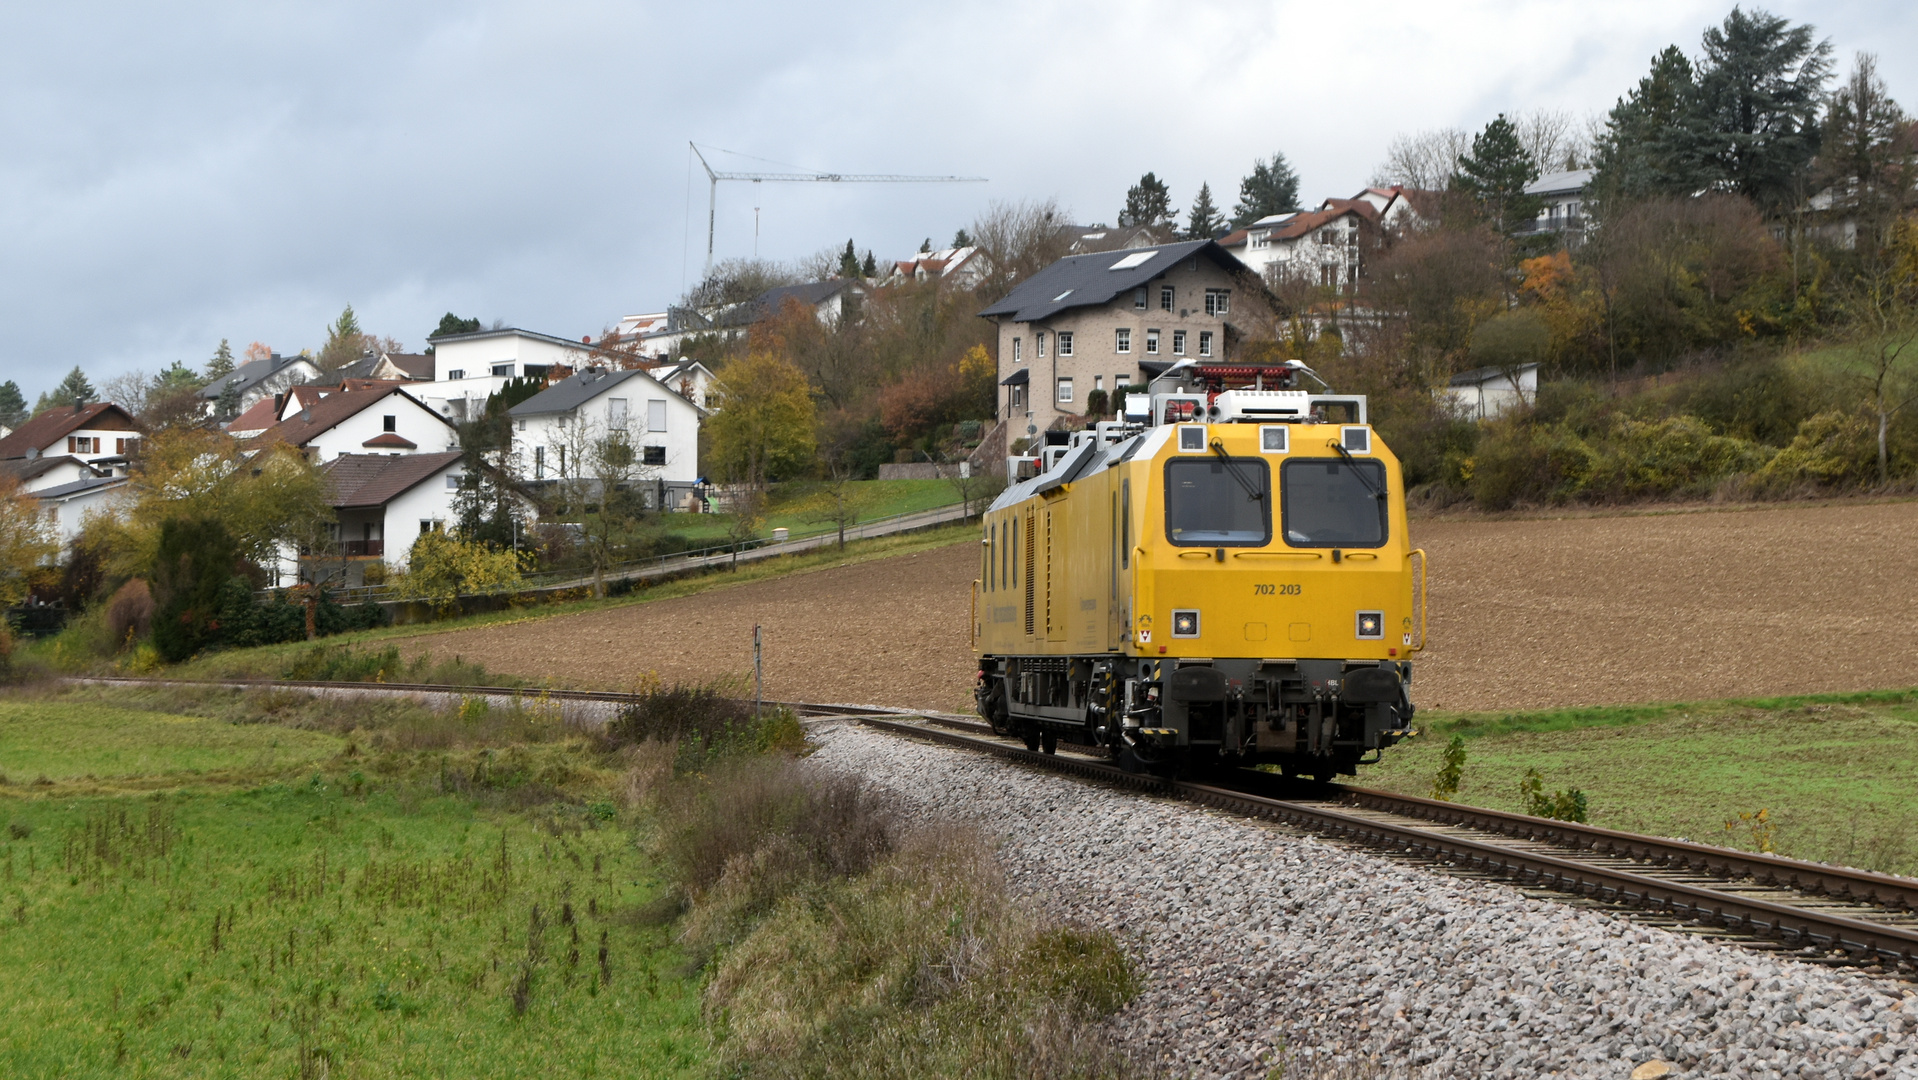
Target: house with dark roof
x=1563 y=194
x=1105 y=320
x=260 y=379
x=379 y=418
x=383 y=504
x=831 y=301
x=100 y=434
x=555 y=427
x=66 y=507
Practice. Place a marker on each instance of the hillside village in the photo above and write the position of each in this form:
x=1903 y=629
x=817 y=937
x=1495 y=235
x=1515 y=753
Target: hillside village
x=1540 y=315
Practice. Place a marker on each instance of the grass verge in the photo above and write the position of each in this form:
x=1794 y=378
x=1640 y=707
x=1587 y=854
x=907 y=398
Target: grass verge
x=396 y=893
x=1834 y=772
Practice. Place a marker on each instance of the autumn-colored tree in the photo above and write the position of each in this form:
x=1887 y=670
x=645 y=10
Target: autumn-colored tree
x=258 y=350
x=440 y=569
x=26 y=543
x=763 y=428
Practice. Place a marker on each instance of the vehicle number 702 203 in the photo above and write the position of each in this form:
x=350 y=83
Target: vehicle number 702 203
x=1275 y=590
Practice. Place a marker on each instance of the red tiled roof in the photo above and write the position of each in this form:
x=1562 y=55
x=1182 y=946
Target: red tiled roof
x=391 y=439
x=329 y=412
x=257 y=418
x=53 y=425
x=363 y=480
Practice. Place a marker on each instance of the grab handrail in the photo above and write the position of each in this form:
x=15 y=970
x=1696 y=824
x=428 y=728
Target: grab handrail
x=1424 y=561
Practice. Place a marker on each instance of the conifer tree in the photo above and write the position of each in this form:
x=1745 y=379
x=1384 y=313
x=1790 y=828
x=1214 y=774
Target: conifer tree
x=1205 y=221
x=1273 y=188
x=1148 y=202
x=961 y=239
x=1495 y=174
x=222 y=362
x=74 y=387
x=870 y=268
x=13 y=405
x=848 y=262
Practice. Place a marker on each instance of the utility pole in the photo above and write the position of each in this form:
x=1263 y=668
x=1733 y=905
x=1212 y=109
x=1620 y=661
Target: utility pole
x=714 y=176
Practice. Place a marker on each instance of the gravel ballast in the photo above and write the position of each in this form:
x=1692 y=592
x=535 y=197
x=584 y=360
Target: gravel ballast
x=1258 y=944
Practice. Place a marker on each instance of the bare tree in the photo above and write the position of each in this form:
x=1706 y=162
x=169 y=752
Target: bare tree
x=1425 y=160
x=602 y=483
x=1882 y=304
x=1019 y=239
x=1556 y=139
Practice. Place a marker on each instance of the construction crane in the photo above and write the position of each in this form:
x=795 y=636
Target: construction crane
x=714 y=176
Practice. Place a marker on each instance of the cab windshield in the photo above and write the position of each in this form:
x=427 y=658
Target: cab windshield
x=1218 y=502
x=1331 y=502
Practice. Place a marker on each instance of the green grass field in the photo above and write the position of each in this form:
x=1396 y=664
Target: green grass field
x=801 y=508
x=1837 y=774
x=297 y=905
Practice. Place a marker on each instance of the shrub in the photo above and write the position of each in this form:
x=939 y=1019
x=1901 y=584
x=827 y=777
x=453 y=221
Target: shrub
x=195 y=559
x=706 y=724
x=1830 y=449
x=1567 y=805
x=130 y=612
x=441 y=569
x=1451 y=770
x=1664 y=457
x=1522 y=462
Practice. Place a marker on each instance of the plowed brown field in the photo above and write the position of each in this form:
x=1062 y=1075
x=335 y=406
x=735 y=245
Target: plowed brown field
x=1526 y=613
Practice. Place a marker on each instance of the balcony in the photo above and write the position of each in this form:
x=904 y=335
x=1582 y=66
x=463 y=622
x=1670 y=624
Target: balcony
x=363 y=549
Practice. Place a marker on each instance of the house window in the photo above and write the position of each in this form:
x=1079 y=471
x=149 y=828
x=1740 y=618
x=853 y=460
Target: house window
x=1016 y=357
x=1152 y=342
x=452 y=481
x=1178 y=342
x=1065 y=343
x=1018 y=398
x=429 y=526
x=1328 y=275
x=1218 y=301
x=1165 y=298
x=1098 y=382
x=1039 y=345
x=1138 y=297
x=656 y=415
x=503 y=371
x=120 y=447
x=616 y=413
x=562 y=461
x=1065 y=391
x=1123 y=339
x=652 y=455
x=522 y=423
x=1121 y=379
x=539 y=461
x=456 y=373
x=389 y=423
x=1205 y=343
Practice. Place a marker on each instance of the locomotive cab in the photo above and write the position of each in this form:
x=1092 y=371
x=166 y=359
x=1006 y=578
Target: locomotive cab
x=1224 y=581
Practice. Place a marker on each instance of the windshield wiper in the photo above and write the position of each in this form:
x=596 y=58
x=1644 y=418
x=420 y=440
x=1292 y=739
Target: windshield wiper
x=1218 y=447
x=1356 y=471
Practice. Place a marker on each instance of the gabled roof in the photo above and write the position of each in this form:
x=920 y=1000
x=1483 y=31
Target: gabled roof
x=331 y=411
x=359 y=481
x=507 y=331
x=25 y=469
x=261 y=415
x=576 y=390
x=1092 y=280
x=1479 y=376
x=417 y=366
x=53 y=425
x=250 y=374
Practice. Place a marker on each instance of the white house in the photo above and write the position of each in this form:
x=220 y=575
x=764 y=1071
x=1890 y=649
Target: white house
x=830 y=301
x=551 y=428
x=963 y=267
x=384 y=504
x=382 y=419
x=1564 y=197
x=1486 y=393
x=66 y=507
x=100 y=435
x=689 y=379
x=1323 y=246
x=261 y=379
x=470 y=368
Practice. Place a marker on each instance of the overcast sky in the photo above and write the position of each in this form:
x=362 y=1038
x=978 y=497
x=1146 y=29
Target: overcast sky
x=177 y=174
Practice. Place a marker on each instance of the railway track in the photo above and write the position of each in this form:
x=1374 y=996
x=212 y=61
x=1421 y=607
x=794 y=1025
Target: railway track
x=1829 y=914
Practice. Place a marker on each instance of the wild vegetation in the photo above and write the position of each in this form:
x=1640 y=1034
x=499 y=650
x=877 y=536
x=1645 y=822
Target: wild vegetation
x=208 y=880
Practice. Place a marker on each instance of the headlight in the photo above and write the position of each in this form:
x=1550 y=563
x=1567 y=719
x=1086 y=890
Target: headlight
x=1371 y=626
x=1185 y=624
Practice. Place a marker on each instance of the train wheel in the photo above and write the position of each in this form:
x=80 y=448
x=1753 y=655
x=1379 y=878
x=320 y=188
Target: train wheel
x=1032 y=737
x=1050 y=741
x=997 y=714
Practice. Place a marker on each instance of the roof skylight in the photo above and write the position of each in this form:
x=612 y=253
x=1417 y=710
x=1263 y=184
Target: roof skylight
x=1137 y=258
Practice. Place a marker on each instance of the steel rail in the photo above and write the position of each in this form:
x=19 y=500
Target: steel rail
x=1746 y=914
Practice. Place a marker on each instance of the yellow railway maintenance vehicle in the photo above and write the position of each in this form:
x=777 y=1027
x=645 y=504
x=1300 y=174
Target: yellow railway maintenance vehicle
x=1222 y=578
